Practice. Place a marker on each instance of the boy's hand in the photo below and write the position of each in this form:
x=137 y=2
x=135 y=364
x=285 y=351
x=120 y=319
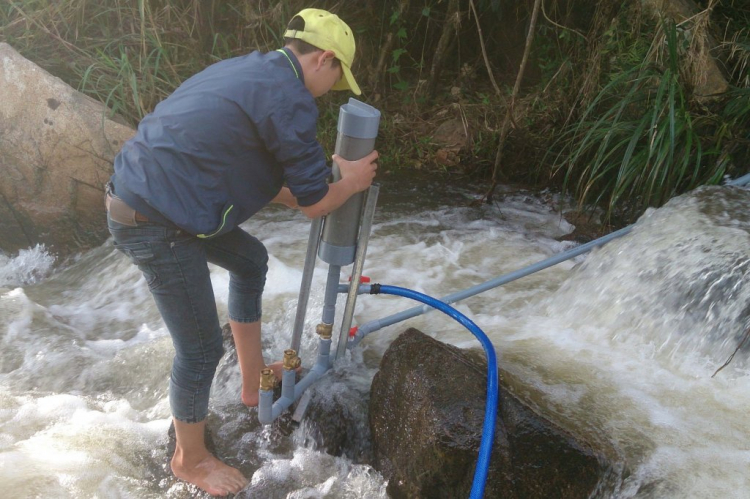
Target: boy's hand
x=360 y=173
x=356 y=176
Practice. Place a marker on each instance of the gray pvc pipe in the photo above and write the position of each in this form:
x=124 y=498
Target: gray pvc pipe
x=265 y=407
x=359 y=262
x=339 y=239
x=357 y=130
x=362 y=290
x=331 y=293
x=288 y=379
x=744 y=180
x=322 y=365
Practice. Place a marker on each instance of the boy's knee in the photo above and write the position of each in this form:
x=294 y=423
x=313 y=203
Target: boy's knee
x=195 y=366
x=263 y=261
x=213 y=356
x=253 y=275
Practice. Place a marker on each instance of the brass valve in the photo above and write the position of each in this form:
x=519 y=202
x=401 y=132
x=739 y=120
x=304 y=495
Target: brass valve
x=291 y=361
x=267 y=379
x=324 y=330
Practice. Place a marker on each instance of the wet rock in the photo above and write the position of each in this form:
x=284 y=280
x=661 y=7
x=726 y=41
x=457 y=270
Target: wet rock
x=725 y=206
x=426 y=416
x=587 y=227
x=336 y=419
x=56 y=151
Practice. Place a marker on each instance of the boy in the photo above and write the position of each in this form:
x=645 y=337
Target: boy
x=210 y=156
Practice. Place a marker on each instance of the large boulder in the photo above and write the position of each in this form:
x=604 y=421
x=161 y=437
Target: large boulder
x=426 y=414
x=56 y=152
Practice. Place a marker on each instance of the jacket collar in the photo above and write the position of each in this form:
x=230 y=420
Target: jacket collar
x=293 y=62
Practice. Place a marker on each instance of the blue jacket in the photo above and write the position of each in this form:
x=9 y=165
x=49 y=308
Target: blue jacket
x=222 y=145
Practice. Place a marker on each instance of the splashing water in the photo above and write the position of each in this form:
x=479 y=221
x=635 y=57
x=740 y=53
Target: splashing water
x=28 y=267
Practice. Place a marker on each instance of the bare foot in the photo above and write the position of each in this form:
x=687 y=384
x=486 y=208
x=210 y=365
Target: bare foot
x=250 y=398
x=250 y=395
x=211 y=475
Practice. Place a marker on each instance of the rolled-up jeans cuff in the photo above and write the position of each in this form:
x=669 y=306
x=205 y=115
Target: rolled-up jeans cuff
x=245 y=307
x=188 y=406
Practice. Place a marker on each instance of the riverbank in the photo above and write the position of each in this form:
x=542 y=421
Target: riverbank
x=451 y=82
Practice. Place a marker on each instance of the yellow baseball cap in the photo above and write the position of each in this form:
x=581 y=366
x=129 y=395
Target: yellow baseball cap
x=328 y=32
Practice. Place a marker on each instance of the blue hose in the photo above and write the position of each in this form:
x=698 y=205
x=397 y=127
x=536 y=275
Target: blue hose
x=490 y=410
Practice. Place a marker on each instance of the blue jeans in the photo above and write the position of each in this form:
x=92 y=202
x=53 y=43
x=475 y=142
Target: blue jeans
x=175 y=265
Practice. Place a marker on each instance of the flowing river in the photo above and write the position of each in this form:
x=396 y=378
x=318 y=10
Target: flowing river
x=619 y=344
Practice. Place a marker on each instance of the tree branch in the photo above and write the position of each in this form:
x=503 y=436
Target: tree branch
x=451 y=24
x=484 y=50
x=376 y=77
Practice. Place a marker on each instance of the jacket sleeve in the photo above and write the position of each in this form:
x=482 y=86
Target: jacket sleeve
x=289 y=132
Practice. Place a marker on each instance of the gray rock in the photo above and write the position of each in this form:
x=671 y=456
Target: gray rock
x=426 y=414
x=336 y=418
x=56 y=152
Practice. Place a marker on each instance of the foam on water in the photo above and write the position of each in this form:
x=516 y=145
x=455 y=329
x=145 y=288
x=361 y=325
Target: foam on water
x=71 y=446
x=315 y=475
x=677 y=283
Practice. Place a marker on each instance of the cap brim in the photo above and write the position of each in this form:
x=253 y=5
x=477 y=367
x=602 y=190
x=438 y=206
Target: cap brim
x=347 y=81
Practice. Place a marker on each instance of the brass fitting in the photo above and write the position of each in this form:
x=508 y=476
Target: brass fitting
x=267 y=379
x=324 y=330
x=291 y=361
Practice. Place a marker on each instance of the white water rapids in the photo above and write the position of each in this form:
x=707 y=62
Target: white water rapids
x=618 y=345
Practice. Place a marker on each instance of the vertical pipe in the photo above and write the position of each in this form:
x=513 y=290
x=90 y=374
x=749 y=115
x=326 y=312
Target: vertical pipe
x=324 y=350
x=359 y=263
x=288 y=378
x=307 y=275
x=336 y=244
x=331 y=293
x=265 y=407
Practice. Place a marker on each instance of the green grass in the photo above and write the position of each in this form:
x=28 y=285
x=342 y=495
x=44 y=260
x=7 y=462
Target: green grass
x=643 y=139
